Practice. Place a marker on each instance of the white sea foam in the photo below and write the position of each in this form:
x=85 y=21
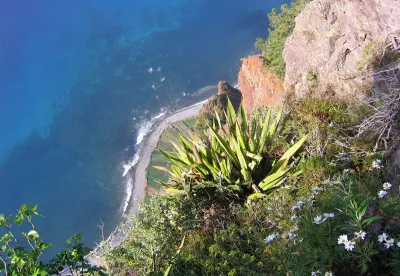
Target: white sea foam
x=146 y=127
x=128 y=193
x=128 y=166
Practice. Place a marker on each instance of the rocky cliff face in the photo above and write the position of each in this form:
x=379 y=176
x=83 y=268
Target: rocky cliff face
x=336 y=44
x=259 y=86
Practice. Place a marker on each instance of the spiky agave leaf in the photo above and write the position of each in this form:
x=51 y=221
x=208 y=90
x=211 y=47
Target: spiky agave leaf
x=240 y=135
x=219 y=121
x=272 y=180
x=174 y=191
x=283 y=161
x=182 y=153
x=225 y=146
x=243 y=116
x=274 y=126
x=185 y=143
x=174 y=158
x=264 y=132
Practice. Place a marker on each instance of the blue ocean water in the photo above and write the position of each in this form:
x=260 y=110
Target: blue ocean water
x=78 y=79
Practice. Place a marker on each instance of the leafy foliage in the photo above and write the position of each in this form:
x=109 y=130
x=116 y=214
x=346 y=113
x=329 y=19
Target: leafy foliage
x=233 y=160
x=281 y=27
x=22 y=256
x=352 y=197
x=154 y=236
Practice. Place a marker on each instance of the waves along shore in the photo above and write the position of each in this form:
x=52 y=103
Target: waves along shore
x=139 y=172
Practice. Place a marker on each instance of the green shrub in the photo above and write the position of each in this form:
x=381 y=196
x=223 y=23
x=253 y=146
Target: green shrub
x=153 y=236
x=281 y=27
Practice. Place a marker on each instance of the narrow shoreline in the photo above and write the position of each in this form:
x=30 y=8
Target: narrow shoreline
x=139 y=172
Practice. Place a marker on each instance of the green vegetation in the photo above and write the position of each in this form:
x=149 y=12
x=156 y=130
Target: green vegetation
x=281 y=27
x=233 y=161
x=339 y=216
x=156 y=177
x=20 y=254
x=154 y=236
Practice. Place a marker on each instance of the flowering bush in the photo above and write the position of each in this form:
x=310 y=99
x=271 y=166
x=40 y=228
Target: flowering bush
x=354 y=239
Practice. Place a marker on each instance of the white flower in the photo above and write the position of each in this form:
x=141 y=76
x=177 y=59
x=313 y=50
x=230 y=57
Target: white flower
x=389 y=243
x=342 y=239
x=346 y=170
x=349 y=245
x=360 y=234
x=382 y=193
x=376 y=164
x=315 y=189
x=387 y=186
x=270 y=238
x=292 y=236
x=292 y=218
x=298 y=205
x=328 y=273
x=398 y=244
x=315 y=273
x=318 y=220
x=329 y=215
x=383 y=237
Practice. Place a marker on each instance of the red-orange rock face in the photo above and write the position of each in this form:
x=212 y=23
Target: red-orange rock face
x=259 y=86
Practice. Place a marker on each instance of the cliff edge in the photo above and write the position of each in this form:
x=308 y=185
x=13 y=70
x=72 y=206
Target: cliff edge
x=259 y=86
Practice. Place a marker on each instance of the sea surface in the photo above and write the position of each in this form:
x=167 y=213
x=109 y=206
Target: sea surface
x=81 y=81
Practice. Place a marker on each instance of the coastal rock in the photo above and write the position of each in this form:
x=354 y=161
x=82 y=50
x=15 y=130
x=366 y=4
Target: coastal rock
x=259 y=86
x=338 y=44
x=218 y=103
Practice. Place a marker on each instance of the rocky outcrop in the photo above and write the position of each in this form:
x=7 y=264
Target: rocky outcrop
x=336 y=45
x=259 y=86
x=218 y=103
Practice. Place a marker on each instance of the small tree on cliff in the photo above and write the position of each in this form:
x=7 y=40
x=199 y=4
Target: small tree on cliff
x=281 y=27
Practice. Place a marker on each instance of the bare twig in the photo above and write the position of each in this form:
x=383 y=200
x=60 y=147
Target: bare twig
x=5 y=265
x=385 y=106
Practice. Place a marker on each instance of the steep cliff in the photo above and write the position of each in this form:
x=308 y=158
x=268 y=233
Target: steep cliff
x=259 y=86
x=218 y=103
x=336 y=45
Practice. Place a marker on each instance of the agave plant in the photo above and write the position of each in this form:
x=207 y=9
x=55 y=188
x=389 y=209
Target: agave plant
x=233 y=159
